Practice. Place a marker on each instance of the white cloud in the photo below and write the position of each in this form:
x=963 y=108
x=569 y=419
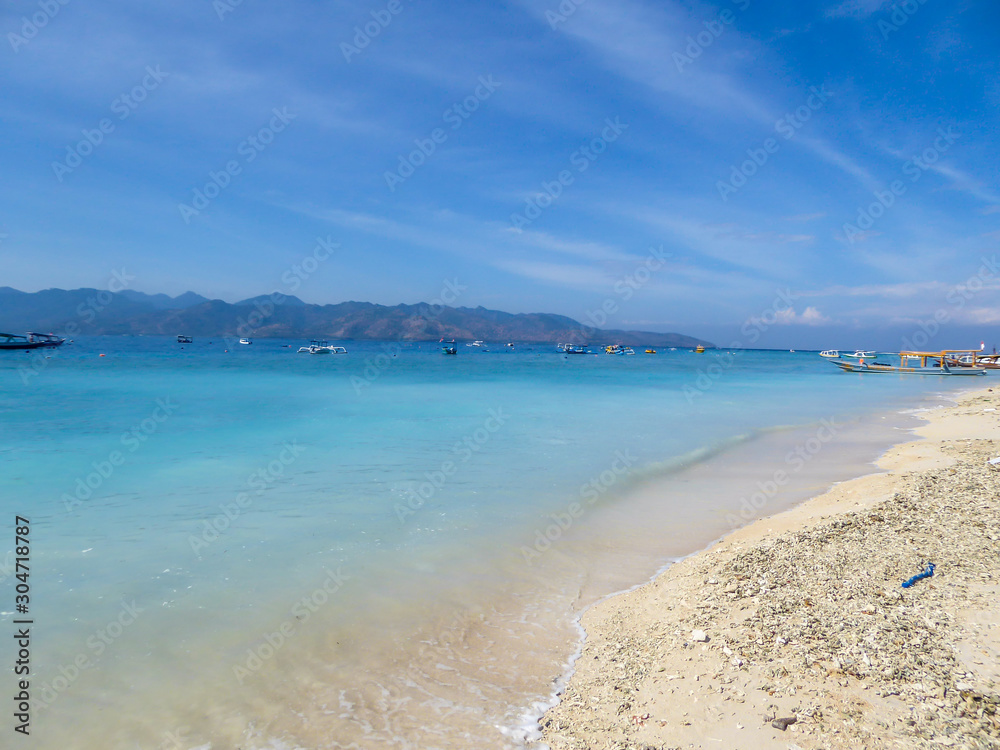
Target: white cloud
x=809 y=317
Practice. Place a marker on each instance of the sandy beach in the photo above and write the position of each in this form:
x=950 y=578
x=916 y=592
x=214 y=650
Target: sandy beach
x=795 y=631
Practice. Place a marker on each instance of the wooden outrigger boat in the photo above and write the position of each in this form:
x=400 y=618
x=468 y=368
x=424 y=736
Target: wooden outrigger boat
x=972 y=358
x=915 y=363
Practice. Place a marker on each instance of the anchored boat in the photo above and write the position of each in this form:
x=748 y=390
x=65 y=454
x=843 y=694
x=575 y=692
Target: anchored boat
x=619 y=349
x=858 y=354
x=972 y=358
x=913 y=363
x=30 y=341
x=317 y=346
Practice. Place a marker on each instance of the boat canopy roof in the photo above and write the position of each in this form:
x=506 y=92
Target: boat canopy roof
x=940 y=353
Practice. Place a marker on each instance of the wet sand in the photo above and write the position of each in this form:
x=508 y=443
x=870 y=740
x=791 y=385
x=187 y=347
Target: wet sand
x=795 y=631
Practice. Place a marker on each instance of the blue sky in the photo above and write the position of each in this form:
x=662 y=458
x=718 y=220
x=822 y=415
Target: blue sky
x=810 y=174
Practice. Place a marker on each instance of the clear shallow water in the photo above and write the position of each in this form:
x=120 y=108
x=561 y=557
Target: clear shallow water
x=260 y=547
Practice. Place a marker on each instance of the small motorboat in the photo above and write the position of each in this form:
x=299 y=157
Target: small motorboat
x=184 y=340
x=651 y=351
x=860 y=354
x=449 y=347
x=830 y=354
x=477 y=343
x=30 y=341
x=699 y=349
x=619 y=349
x=246 y=341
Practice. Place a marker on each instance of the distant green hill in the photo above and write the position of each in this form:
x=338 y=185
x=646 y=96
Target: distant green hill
x=101 y=312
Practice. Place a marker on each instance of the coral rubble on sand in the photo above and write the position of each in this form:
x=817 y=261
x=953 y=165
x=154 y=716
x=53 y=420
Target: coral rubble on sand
x=811 y=639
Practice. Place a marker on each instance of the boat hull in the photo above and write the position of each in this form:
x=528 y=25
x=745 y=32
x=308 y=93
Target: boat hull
x=852 y=367
x=31 y=345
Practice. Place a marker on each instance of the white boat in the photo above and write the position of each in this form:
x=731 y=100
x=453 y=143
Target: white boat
x=321 y=347
x=857 y=354
x=477 y=343
x=245 y=341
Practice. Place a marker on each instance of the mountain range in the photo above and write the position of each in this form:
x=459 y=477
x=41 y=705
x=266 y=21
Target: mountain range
x=100 y=312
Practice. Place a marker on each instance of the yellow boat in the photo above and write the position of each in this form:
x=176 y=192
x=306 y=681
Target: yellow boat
x=651 y=351
x=699 y=349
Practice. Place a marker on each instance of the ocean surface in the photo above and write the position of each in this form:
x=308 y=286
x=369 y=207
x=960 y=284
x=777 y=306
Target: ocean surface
x=256 y=548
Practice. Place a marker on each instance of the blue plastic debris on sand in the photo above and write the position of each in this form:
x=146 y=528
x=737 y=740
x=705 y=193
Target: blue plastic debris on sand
x=926 y=574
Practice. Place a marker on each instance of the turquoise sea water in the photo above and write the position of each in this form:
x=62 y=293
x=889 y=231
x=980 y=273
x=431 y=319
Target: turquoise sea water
x=260 y=549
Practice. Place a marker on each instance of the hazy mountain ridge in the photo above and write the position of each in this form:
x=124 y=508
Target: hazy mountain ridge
x=97 y=312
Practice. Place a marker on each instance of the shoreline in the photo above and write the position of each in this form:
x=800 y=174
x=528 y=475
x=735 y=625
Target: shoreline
x=633 y=683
